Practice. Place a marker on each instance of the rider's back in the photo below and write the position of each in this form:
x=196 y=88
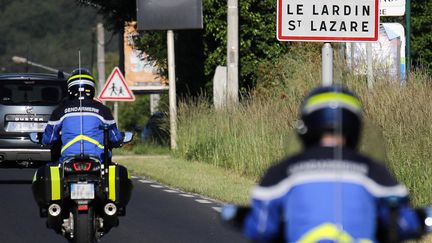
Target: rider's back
x=319 y=191
x=81 y=121
x=77 y=121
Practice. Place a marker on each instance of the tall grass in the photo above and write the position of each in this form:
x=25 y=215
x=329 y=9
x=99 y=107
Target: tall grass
x=245 y=140
x=248 y=138
x=404 y=114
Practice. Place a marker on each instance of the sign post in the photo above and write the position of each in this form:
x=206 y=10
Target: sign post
x=327 y=21
x=327 y=64
x=172 y=89
x=170 y=15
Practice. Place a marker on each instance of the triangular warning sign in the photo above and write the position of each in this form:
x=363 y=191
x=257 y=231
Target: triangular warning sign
x=116 y=88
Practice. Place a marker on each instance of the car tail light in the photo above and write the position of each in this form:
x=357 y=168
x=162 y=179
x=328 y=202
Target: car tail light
x=82 y=166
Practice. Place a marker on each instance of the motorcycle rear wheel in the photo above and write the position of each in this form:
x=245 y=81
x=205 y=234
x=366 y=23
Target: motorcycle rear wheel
x=84 y=226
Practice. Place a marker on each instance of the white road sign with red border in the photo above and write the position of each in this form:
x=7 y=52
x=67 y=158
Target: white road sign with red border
x=392 y=7
x=116 y=88
x=328 y=20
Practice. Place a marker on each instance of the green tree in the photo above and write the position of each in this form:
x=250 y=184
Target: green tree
x=421 y=32
x=115 y=12
x=257 y=39
x=199 y=52
x=257 y=33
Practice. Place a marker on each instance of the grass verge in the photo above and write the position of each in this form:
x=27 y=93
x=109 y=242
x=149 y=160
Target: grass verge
x=201 y=178
x=142 y=148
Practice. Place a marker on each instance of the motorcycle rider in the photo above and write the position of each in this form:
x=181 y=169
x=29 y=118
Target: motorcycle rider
x=78 y=119
x=329 y=192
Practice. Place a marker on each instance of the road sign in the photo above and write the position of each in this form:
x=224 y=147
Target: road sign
x=327 y=20
x=169 y=14
x=392 y=7
x=388 y=53
x=140 y=73
x=116 y=88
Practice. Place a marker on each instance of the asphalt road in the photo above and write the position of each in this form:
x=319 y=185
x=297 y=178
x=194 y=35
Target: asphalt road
x=155 y=214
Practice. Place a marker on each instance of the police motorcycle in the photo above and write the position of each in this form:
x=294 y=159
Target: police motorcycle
x=83 y=197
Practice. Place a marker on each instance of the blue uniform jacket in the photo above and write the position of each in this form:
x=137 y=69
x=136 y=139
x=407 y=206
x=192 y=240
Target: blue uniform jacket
x=325 y=195
x=77 y=124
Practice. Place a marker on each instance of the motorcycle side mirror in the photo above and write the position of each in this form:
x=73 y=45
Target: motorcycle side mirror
x=34 y=137
x=128 y=136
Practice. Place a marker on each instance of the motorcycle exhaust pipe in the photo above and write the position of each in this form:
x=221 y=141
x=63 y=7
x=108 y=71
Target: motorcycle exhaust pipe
x=110 y=209
x=54 y=210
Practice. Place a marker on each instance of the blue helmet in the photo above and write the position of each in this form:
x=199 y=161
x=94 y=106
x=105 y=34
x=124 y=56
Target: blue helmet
x=330 y=109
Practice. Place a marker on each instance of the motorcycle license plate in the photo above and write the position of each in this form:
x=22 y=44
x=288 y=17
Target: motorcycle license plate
x=82 y=191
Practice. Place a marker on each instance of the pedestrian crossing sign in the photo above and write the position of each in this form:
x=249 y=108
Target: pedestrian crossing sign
x=116 y=88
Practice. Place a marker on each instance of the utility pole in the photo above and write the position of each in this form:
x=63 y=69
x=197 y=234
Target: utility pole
x=100 y=56
x=233 y=53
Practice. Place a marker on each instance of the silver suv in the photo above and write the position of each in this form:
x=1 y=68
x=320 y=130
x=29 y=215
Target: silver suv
x=26 y=103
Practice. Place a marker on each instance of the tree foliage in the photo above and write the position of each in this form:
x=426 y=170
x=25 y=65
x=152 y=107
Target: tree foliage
x=115 y=12
x=257 y=39
x=199 y=52
x=257 y=20
x=422 y=32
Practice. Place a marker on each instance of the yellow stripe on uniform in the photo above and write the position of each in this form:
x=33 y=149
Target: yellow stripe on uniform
x=112 y=183
x=333 y=97
x=82 y=137
x=81 y=76
x=55 y=182
x=329 y=231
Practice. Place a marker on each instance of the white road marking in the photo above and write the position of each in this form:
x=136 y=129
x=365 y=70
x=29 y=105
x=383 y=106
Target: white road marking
x=203 y=201
x=156 y=186
x=217 y=209
x=134 y=177
x=145 y=181
x=171 y=191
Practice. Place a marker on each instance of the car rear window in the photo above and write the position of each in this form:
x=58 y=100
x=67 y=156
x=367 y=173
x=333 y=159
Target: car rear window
x=19 y=92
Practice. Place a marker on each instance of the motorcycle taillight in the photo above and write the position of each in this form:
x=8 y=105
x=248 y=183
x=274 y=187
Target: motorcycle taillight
x=82 y=166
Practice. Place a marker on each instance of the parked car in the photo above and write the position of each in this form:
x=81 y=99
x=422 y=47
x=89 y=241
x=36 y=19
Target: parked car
x=26 y=103
x=156 y=129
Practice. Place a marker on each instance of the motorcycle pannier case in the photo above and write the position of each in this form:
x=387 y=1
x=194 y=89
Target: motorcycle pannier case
x=47 y=185
x=119 y=185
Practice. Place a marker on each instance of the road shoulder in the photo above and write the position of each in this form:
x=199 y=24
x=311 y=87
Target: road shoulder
x=194 y=177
